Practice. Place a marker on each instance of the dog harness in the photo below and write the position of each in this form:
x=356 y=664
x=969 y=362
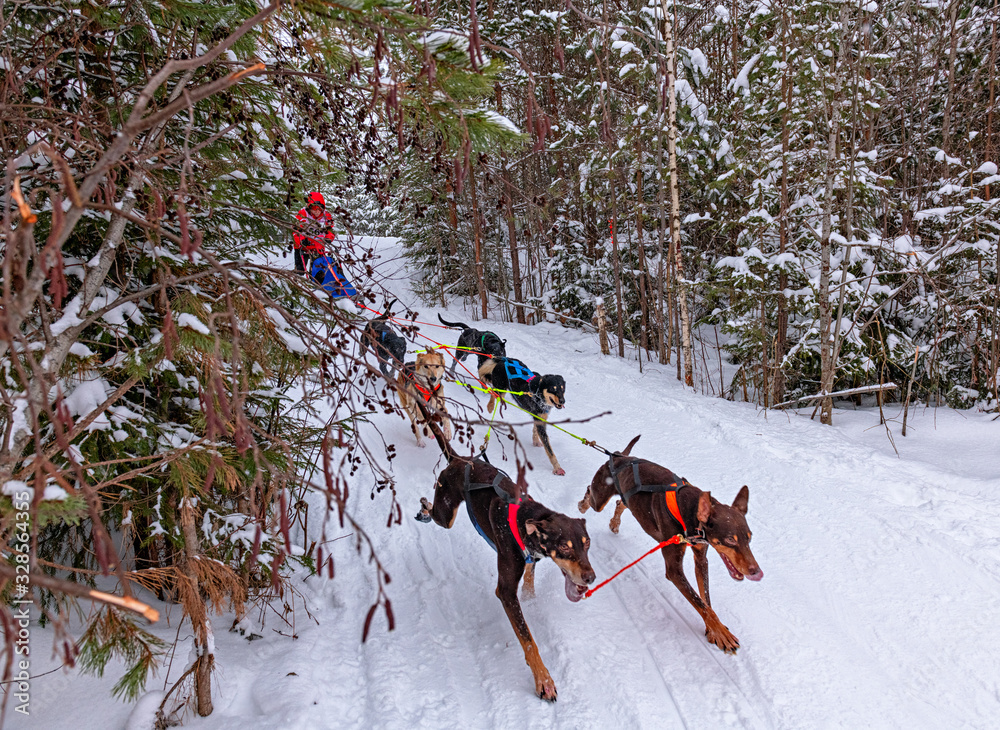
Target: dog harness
x=484 y=335
x=410 y=369
x=512 y=508
x=517 y=369
x=669 y=491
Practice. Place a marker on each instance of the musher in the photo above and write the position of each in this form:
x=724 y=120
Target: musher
x=315 y=232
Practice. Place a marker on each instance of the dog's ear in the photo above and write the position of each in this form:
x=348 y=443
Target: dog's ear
x=740 y=503
x=535 y=526
x=704 y=507
x=631 y=443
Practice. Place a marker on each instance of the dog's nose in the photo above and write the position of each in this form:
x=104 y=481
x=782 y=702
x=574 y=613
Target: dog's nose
x=589 y=576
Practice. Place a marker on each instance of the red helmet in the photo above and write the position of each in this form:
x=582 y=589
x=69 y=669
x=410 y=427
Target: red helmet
x=316 y=199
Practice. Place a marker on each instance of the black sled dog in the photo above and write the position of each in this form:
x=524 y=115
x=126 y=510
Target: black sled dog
x=537 y=394
x=389 y=347
x=485 y=345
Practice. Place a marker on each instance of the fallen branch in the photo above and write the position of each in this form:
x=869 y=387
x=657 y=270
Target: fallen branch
x=851 y=391
x=537 y=308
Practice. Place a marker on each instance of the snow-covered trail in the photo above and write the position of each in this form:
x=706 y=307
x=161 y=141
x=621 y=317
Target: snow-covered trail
x=882 y=580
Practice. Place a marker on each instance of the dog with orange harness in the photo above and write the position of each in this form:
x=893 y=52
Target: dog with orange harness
x=667 y=506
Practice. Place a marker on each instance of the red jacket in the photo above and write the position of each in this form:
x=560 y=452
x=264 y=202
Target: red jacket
x=313 y=233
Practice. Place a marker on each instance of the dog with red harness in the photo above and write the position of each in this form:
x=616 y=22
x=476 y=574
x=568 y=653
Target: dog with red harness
x=519 y=529
x=522 y=532
x=420 y=383
x=667 y=506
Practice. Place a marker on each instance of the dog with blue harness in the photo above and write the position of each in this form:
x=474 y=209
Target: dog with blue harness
x=536 y=394
x=521 y=531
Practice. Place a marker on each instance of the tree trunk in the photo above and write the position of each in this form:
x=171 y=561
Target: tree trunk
x=781 y=334
x=662 y=319
x=477 y=246
x=675 y=207
x=827 y=364
x=449 y=188
x=515 y=259
x=992 y=66
x=641 y=251
x=616 y=265
x=950 y=100
x=602 y=326
x=848 y=229
x=991 y=156
x=194 y=606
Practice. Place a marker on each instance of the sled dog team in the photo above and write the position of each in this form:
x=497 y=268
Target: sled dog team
x=521 y=530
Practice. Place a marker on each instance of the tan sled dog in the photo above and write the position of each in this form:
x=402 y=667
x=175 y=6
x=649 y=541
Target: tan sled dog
x=423 y=379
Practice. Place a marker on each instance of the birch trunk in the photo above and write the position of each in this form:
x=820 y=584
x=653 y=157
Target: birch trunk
x=641 y=251
x=477 y=246
x=616 y=263
x=662 y=320
x=675 y=207
x=515 y=259
x=781 y=336
x=615 y=258
x=827 y=364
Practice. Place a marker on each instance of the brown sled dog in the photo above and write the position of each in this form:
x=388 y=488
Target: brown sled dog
x=522 y=532
x=421 y=381
x=665 y=505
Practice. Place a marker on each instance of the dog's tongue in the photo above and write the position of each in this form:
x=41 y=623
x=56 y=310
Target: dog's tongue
x=573 y=591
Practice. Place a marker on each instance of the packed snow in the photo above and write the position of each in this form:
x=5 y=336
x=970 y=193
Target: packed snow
x=882 y=580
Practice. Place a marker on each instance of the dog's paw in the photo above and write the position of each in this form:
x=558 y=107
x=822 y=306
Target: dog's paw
x=560 y=472
x=584 y=504
x=527 y=594
x=722 y=638
x=421 y=444
x=615 y=524
x=546 y=689
x=424 y=515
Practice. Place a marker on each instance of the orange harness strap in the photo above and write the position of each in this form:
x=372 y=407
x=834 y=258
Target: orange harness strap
x=671 y=499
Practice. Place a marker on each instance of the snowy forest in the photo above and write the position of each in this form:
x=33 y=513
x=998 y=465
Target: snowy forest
x=780 y=208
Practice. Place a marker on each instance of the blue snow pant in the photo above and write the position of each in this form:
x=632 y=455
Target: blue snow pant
x=331 y=278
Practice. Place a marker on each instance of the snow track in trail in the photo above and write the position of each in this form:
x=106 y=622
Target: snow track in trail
x=882 y=578
x=676 y=640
